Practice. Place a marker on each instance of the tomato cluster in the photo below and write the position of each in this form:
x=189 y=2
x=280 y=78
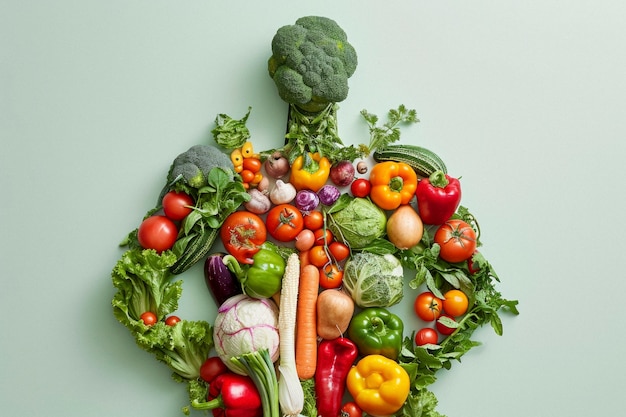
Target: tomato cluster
x=160 y=231
x=443 y=311
x=247 y=164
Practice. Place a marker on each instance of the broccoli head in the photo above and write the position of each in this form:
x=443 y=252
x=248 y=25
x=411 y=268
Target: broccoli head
x=191 y=168
x=311 y=62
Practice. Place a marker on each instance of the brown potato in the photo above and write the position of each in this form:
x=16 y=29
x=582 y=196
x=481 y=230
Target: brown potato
x=334 y=312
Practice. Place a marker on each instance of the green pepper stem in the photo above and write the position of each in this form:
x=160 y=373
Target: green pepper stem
x=233 y=265
x=396 y=184
x=438 y=179
x=309 y=164
x=378 y=326
x=216 y=402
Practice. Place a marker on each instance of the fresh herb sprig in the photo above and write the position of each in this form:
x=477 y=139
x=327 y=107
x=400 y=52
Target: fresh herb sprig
x=389 y=132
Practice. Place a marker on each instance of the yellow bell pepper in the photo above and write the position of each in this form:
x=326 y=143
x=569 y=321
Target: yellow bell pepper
x=309 y=172
x=393 y=184
x=379 y=385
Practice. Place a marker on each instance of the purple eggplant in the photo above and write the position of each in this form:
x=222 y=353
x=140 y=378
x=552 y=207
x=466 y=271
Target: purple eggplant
x=220 y=281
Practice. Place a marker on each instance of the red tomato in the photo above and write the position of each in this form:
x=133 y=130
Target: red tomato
x=427 y=306
x=314 y=220
x=172 y=320
x=252 y=164
x=247 y=175
x=177 y=205
x=318 y=256
x=330 y=276
x=158 y=233
x=457 y=240
x=148 y=318
x=455 y=303
x=360 y=187
x=339 y=251
x=426 y=336
x=323 y=236
x=442 y=328
x=212 y=368
x=242 y=234
x=284 y=222
x=350 y=409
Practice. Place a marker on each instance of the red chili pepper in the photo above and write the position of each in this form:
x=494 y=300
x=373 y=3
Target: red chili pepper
x=232 y=395
x=334 y=359
x=438 y=197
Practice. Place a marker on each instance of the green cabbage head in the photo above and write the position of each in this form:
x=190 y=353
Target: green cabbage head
x=359 y=223
x=374 y=280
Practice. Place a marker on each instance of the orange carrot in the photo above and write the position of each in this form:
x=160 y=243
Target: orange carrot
x=306 y=320
x=304 y=259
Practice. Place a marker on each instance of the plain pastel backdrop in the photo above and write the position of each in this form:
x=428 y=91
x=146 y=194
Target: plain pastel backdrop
x=524 y=100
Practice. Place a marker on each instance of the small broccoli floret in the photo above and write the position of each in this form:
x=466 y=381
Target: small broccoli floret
x=311 y=62
x=194 y=164
x=190 y=168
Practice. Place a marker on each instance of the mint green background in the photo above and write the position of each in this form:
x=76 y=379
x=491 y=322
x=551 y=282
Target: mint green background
x=524 y=100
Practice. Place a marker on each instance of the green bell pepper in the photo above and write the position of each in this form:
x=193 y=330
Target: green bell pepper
x=377 y=331
x=263 y=278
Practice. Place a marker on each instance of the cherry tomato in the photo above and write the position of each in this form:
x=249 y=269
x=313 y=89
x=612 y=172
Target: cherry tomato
x=360 y=187
x=318 y=256
x=284 y=222
x=426 y=336
x=457 y=240
x=242 y=235
x=441 y=326
x=323 y=237
x=212 y=368
x=305 y=240
x=247 y=176
x=339 y=251
x=314 y=220
x=330 y=276
x=158 y=233
x=177 y=205
x=252 y=164
x=427 y=306
x=455 y=303
x=350 y=409
x=148 y=318
x=172 y=320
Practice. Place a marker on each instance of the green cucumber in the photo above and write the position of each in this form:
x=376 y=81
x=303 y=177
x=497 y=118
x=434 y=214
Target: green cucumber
x=422 y=160
x=197 y=249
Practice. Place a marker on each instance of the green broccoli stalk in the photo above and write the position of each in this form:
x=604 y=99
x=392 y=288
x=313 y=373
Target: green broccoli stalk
x=310 y=64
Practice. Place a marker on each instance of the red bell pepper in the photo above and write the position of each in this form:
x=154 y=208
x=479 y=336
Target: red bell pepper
x=232 y=395
x=438 y=197
x=334 y=359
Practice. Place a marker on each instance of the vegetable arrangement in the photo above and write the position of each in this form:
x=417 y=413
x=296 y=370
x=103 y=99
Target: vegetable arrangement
x=319 y=239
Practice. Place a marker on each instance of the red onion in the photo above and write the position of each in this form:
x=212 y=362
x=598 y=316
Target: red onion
x=306 y=200
x=328 y=194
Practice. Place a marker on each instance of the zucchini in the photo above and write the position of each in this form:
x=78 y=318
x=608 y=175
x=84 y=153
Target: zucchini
x=422 y=160
x=197 y=249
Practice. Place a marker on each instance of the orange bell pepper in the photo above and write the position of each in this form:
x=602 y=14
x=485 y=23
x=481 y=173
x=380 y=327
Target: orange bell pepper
x=379 y=385
x=393 y=184
x=309 y=172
